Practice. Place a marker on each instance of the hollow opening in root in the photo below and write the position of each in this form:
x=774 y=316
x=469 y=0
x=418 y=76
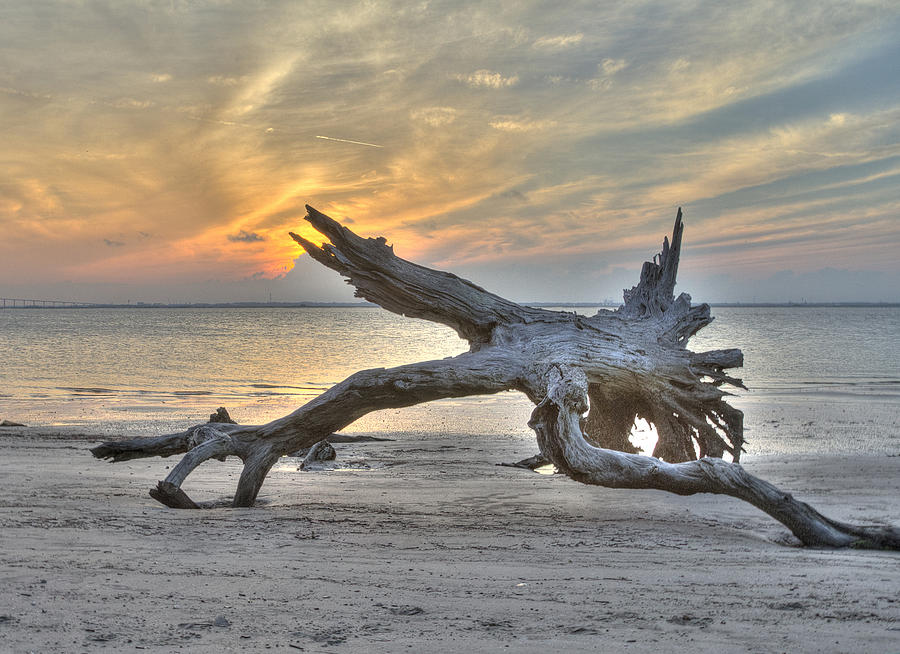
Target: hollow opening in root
x=643 y=436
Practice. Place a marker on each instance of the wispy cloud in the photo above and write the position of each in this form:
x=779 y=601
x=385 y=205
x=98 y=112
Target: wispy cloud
x=244 y=236
x=559 y=42
x=225 y=80
x=131 y=103
x=606 y=70
x=488 y=79
x=518 y=125
x=435 y=116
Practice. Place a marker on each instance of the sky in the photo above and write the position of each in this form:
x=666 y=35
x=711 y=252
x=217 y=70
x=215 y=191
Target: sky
x=161 y=151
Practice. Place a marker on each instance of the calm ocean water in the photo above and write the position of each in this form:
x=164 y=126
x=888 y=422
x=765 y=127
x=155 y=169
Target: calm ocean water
x=819 y=378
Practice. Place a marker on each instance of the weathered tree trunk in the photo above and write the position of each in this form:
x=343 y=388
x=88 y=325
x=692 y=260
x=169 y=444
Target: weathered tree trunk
x=613 y=367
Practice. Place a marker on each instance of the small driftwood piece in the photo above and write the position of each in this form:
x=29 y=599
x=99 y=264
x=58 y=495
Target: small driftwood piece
x=318 y=453
x=531 y=463
x=589 y=378
x=221 y=416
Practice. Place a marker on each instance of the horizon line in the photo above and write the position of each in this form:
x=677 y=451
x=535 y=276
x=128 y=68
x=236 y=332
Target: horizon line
x=301 y=304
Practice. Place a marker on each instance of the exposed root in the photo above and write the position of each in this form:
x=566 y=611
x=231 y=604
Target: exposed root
x=172 y=496
x=556 y=421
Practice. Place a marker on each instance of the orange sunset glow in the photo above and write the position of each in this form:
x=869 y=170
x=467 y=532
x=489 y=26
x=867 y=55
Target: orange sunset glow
x=161 y=152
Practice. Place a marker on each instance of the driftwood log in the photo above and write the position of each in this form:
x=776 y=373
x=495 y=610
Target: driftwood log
x=589 y=377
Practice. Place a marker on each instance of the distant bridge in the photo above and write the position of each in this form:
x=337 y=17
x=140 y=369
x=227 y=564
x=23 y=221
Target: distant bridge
x=25 y=303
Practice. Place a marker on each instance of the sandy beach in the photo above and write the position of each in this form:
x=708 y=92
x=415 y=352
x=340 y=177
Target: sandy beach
x=432 y=547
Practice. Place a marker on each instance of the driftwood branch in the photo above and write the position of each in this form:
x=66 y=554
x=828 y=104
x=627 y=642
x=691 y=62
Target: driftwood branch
x=589 y=377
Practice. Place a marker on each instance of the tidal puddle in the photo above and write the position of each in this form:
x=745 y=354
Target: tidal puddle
x=292 y=464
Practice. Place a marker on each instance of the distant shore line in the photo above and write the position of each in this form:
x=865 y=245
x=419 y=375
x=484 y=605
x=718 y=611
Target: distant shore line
x=49 y=304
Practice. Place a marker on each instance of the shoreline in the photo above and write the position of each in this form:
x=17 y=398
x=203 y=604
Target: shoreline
x=608 y=304
x=432 y=546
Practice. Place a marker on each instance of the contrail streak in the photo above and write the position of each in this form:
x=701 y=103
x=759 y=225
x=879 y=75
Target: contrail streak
x=371 y=145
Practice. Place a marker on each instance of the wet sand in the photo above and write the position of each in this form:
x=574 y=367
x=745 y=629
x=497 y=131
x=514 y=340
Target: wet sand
x=433 y=548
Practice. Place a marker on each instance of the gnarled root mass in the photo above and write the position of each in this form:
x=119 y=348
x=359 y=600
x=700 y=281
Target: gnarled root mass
x=589 y=377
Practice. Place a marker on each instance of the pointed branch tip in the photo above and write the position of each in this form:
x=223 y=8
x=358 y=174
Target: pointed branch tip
x=305 y=244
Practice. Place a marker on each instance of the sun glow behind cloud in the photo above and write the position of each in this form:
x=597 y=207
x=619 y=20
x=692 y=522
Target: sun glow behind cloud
x=476 y=137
